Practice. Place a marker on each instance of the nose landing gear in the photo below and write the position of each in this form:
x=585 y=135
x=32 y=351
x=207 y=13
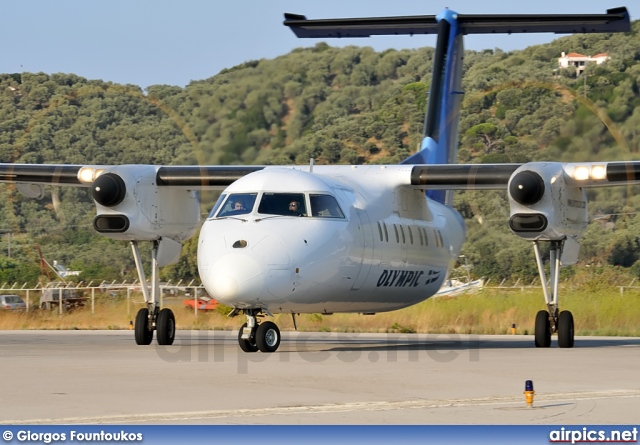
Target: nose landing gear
x=253 y=337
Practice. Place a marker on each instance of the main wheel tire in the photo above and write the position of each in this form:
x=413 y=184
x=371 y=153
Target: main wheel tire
x=565 y=330
x=246 y=345
x=142 y=333
x=543 y=330
x=268 y=337
x=166 y=327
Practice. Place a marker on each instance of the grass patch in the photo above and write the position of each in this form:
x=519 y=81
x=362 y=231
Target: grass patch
x=490 y=311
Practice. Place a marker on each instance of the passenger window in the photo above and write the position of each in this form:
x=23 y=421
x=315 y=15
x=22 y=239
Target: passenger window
x=426 y=238
x=380 y=231
x=238 y=204
x=325 y=206
x=285 y=204
x=404 y=240
x=386 y=234
x=436 y=234
x=395 y=229
x=410 y=234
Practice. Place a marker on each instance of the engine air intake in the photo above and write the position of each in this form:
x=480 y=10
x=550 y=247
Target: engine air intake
x=531 y=222
x=111 y=223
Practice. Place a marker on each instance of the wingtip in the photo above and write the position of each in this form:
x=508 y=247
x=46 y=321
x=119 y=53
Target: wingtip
x=289 y=16
x=619 y=10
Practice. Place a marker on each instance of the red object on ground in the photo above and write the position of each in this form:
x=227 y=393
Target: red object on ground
x=203 y=305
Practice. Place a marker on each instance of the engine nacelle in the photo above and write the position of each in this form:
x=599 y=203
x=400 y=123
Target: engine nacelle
x=546 y=206
x=131 y=206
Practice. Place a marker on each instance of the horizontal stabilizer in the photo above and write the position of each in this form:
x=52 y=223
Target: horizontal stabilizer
x=615 y=20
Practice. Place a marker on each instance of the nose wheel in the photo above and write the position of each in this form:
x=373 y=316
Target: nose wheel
x=268 y=337
x=263 y=337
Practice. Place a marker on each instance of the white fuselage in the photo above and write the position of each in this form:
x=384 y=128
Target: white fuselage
x=392 y=248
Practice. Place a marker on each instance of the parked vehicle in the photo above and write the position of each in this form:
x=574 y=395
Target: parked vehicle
x=12 y=303
x=52 y=296
x=204 y=303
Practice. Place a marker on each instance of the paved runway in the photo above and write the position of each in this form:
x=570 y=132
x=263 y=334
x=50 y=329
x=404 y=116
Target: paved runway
x=80 y=377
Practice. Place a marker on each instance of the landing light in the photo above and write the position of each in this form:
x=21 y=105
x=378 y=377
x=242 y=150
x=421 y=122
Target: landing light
x=595 y=172
x=87 y=175
x=598 y=172
x=581 y=173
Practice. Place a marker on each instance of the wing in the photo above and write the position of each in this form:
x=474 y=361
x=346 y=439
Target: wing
x=83 y=175
x=497 y=176
x=427 y=177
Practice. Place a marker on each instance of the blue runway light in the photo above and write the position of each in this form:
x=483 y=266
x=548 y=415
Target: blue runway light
x=529 y=393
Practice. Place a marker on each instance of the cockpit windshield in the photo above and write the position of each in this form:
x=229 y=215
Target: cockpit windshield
x=325 y=206
x=238 y=204
x=217 y=205
x=285 y=204
x=280 y=204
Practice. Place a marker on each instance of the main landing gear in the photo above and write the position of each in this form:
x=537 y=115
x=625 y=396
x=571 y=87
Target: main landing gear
x=253 y=337
x=552 y=321
x=152 y=318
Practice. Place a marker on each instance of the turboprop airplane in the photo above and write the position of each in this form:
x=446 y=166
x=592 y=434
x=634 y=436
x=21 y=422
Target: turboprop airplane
x=349 y=238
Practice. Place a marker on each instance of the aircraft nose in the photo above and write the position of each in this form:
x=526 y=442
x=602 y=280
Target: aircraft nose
x=235 y=277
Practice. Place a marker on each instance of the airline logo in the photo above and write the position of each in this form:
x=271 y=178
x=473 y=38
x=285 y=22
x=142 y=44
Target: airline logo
x=406 y=278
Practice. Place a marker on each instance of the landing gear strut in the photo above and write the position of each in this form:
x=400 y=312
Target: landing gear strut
x=152 y=318
x=252 y=336
x=552 y=321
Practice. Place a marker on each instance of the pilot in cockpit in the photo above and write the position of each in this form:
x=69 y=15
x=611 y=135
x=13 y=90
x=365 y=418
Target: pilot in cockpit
x=238 y=205
x=294 y=208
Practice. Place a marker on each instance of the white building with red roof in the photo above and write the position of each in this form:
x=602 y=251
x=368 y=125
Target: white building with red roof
x=580 y=60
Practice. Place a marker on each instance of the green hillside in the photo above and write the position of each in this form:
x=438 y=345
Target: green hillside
x=349 y=105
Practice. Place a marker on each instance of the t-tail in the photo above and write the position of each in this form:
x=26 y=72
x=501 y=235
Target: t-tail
x=440 y=140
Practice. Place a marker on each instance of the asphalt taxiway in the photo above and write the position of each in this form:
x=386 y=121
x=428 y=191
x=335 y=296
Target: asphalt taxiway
x=102 y=377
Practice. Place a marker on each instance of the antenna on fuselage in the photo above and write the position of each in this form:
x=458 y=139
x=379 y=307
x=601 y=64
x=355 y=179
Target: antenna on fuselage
x=310 y=165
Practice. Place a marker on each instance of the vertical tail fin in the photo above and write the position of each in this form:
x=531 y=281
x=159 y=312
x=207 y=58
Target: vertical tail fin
x=440 y=140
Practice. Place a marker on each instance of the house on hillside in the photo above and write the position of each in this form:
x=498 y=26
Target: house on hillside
x=580 y=60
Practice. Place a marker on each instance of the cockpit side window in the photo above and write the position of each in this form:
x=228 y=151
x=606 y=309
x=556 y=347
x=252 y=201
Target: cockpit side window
x=217 y=205
x=238 y=204
x=325 y=206
x=285 y=204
